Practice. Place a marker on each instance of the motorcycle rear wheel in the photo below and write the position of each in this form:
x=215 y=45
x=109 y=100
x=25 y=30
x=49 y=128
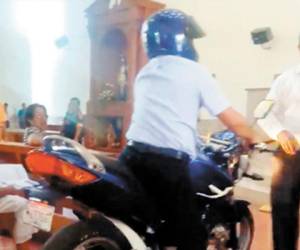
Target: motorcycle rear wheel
x=85 y=235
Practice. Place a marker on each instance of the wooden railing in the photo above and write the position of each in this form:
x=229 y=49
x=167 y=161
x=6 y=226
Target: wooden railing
x=13 y=152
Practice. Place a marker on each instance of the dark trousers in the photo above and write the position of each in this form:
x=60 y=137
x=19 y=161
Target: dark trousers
x=167 y=183
x=285 y=201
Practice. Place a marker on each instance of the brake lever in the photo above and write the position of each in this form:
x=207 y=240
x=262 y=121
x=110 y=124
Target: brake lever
x=254 y=176
x=263 y=148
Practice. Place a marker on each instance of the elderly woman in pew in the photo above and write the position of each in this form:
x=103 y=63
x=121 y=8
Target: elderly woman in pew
x=36 y=124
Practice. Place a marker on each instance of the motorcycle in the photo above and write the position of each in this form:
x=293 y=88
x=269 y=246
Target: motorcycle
x=113 y=210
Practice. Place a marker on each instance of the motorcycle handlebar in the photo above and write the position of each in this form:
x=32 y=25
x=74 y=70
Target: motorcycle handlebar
x=228 y=146
x=263 y=147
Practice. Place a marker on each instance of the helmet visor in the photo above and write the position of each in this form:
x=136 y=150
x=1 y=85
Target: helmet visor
x=194 y=30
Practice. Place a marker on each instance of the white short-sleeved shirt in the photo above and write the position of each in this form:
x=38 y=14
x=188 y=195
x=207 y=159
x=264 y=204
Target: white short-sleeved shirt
x=168 y=93
x=285 y=92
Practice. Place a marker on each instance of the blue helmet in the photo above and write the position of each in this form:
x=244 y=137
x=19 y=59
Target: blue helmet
x=170 y=32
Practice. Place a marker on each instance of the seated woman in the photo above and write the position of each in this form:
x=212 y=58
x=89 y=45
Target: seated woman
x=36 y=124
x=72 y=126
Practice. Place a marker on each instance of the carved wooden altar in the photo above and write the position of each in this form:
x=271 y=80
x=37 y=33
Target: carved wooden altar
x=116 y=57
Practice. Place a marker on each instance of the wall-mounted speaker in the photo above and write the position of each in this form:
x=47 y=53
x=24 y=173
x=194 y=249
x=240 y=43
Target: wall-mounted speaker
x=262 y=35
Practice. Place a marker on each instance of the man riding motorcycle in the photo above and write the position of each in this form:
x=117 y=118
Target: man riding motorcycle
x=169 y=91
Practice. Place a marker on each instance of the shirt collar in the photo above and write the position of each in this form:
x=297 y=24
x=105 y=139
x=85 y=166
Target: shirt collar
x=297 y=69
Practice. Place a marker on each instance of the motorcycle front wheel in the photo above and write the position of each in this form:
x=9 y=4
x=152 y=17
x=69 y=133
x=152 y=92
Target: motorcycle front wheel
x=84 y=235
x=244 y=229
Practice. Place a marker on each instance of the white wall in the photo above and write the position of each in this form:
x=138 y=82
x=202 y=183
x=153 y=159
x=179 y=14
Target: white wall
x=71 y=76
x=15 y=70
x=227 y=49
x=73 y=70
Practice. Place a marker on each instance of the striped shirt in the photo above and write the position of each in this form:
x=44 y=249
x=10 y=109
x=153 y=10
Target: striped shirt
x=32 y=131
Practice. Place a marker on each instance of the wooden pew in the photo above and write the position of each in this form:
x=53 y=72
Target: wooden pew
x=16 y=134
x=13 y=152
x=59 y=221
x=7 y=220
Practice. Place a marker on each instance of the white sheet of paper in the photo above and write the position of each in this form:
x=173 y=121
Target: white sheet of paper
x=14 y=175
x=39 y=215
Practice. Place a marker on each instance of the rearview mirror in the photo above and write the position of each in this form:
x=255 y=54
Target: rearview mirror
x=263 y=109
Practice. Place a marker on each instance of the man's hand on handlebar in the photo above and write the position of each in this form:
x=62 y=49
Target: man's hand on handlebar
x=235 y=122
x=288 y=142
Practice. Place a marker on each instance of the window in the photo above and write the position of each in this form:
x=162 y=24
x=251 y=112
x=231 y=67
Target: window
x=42 y=22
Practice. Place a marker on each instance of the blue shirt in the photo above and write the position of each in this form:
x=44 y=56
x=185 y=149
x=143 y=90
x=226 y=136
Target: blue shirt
x=168 y=93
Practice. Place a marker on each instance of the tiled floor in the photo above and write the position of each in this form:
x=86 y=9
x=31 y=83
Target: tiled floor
x=262 y=234
x=258 y=194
